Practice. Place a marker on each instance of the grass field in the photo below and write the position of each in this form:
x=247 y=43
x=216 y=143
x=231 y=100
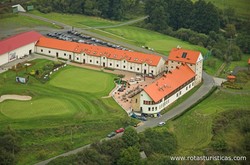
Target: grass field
x=77 y=20
x=241 y=7
x=13 y=21
x=129 y=34
x=194 y=129
x=58 y=110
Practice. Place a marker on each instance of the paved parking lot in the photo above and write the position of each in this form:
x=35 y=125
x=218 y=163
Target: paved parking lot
x=75 y=36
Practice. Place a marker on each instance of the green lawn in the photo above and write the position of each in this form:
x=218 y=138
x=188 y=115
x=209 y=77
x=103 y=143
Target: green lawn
x=241 y=7
x=45 y=123
x=194 y=129
x=14 y=21
x=129 y=34
x=77 y=20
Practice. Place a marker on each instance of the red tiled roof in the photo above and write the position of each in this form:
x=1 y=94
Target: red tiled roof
x=231 y=77
x=169 y=82
x=18 y=41
x=110 y=53
x=184 y=55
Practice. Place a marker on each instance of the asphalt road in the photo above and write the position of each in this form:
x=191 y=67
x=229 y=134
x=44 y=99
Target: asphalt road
x=95 y=35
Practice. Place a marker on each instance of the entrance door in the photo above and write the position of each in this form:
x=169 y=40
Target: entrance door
x=56 y=54
x=70 y=57
x=83 y=61
x=145 y=71
x=30 y=51
x=103 y=64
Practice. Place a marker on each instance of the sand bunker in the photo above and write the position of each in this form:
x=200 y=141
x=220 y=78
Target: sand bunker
x=14 y=97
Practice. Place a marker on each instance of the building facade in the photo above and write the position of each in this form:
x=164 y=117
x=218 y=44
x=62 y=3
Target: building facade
x=164 y=91
x=146 y=64
x=18 y=46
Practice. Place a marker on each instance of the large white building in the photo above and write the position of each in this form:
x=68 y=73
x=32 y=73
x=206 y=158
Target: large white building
x=184 y=72
x=102 y=56
x=17 y=46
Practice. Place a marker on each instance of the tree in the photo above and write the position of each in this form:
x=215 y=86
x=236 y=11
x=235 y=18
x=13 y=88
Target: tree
x=9 y=146
x=230 y=30
x=130 y=156
x=130 y=137
x=205 y=17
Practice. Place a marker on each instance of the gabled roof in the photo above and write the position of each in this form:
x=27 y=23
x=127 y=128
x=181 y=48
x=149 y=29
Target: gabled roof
x=99 y=51
x=184 y=55
x=18 y=41
x=169 y=82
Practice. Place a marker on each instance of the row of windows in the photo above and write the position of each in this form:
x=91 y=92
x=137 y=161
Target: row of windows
x=153 y=108
x=103 y=58
x=150 y=102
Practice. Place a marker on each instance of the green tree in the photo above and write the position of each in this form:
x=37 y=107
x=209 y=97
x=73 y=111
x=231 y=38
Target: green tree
x=230 y=30
x=130 y=137
x=205 y=17
x=130 y=156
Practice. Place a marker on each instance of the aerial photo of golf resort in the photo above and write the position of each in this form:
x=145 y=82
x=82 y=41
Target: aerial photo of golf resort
x=124 y=82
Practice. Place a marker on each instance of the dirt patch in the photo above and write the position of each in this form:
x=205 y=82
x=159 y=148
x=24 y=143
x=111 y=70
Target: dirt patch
x=14 y=97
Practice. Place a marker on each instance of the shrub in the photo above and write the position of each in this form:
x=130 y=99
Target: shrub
x=219 y=145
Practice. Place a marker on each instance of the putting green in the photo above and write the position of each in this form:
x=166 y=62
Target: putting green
x=83 y=80
x=37 y=108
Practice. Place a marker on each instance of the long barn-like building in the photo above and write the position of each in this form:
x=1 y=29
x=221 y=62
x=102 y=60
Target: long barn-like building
x=102 y=56
x=180 y=73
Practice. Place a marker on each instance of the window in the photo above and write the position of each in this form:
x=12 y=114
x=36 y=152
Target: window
x=145 y=64
x=138 y=69
x=184 y=54
x=77 y=58
x=153 y=108
x=148 y=108
x=49 y=51
x=124 y=61
x=64 y=54
x=156 y=108
x=103 y=57
x=117 y=65
x=124 y=66
x=97 y=62
x=110 y=64
x=90 y=60
x=178 y=62
x=186 y=88
x=135 y=100
x=172 y=67
x=177 y=95
x=41 y=50
x=152 y=71
x=131 y=67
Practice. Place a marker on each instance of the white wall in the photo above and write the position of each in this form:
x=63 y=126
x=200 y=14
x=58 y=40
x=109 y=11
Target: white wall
x=17 y=53
x=156 y=108
x=4 y=58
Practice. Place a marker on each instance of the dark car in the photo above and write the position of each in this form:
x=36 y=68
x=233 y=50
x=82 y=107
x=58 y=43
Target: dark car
x=120 y=130
x=111 y=134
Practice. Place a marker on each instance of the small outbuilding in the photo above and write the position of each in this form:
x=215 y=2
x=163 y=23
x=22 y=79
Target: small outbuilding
x=231 y=78
x=18 y=8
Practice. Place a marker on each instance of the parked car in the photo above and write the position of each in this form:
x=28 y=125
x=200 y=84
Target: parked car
x=120 y=130
x=161 y=123
x=111 y=134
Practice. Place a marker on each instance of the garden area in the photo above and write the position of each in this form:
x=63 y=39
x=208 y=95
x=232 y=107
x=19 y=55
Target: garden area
x=66 y=112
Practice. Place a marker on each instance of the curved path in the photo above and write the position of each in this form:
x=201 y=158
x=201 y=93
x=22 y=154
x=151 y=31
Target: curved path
x=207 y=85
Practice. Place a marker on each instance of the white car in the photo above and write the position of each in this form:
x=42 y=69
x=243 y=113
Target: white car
x=161 y=123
